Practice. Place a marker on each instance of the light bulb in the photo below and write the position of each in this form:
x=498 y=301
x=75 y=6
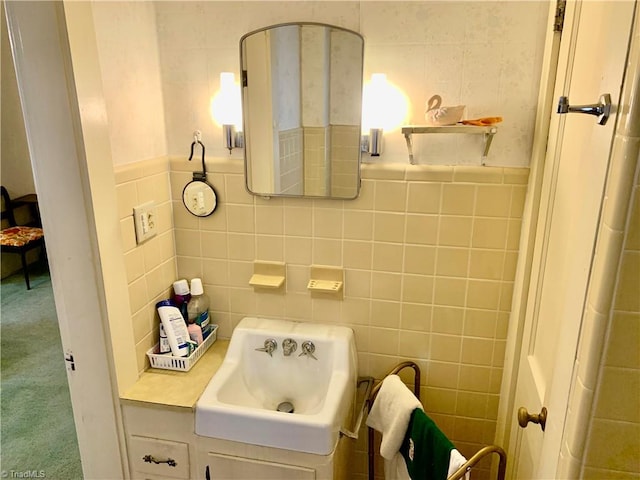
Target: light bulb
x=226 y=106
x=384 y=106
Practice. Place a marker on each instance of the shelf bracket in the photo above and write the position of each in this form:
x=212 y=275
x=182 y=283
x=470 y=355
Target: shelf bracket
x=407 y=137
x=487 y=131
x=488 y=138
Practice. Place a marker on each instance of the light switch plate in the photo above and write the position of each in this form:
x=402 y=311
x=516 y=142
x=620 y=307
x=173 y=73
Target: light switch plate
x=145 y=220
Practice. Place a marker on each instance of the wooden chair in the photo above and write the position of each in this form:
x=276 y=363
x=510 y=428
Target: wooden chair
x=18 y=238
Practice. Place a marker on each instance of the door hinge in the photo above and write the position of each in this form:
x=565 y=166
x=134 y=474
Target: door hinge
x=558 y=22
x=71 y=364
x=245 y=80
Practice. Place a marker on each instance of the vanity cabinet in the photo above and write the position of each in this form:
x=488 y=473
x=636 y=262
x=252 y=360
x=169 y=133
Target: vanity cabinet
x=166 y=433
x=225 y=467
x=161 y=434
x=158 y=415
x=224 y=460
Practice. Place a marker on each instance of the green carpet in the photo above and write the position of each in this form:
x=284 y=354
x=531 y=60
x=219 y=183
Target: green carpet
x=37 y=433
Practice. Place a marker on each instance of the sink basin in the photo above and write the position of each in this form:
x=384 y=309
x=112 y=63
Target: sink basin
x=241 y=401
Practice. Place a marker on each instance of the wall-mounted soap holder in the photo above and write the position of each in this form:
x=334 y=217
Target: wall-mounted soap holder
x=268 y=275
x=326 y=281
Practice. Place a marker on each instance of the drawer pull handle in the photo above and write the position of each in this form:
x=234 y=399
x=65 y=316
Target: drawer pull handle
x=169 y=461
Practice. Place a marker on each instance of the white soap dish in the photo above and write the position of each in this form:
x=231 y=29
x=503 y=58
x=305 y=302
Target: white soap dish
x=266 y=281
x=268 y=275
x=326 y=281
x=329 y=286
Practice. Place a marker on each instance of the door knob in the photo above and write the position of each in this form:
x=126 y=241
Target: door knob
x=524 y=417
x=602 y=109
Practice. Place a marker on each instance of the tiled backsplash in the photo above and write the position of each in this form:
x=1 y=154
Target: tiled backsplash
x=151 y=266
x=429 y=255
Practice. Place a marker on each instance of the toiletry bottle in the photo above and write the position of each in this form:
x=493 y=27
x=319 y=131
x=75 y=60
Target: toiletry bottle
x=195 y=333
x=198 y=307
x=174 y=327
x=181 y=296
x=163 y=345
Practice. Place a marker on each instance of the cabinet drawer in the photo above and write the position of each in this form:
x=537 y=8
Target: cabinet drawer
x=225 y=467
x=160 y=450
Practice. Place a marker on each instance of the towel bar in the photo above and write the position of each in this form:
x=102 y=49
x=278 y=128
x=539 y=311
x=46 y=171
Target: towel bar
x=469 y=464
x=353 y=434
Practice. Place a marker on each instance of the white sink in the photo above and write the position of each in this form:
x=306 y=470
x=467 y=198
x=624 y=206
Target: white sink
x=241 y=401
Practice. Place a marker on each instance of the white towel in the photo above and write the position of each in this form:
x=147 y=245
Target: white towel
x=396 y=468
x=391 y=413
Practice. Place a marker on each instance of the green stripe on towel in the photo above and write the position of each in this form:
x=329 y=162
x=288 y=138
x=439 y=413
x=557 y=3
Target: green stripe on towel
x=426 y=450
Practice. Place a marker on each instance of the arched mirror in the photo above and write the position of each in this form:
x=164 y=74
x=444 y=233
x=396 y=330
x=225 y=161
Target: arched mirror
x=302 y=108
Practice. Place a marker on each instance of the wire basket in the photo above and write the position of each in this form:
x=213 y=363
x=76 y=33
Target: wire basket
x=167 y=361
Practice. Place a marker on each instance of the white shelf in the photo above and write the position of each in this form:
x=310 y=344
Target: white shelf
x=488 y=133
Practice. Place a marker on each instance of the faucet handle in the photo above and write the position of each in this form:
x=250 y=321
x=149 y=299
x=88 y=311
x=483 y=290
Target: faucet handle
x=269 y=346
x=289 y=345
x=307 y=349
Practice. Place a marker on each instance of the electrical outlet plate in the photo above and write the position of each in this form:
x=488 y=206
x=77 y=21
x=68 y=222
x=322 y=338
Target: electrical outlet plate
x=145 y=220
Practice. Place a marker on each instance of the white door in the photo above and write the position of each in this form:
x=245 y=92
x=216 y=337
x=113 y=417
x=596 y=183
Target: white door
x=592 y=59
x=41 y=57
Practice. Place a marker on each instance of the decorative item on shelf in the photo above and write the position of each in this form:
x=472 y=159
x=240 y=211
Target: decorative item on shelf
x=482 y=122
x=199 y=196
x=226 y=110
x=437 y=115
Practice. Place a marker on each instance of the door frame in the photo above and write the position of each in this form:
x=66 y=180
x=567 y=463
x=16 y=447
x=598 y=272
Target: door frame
x=525 y=275
x=67 y=196
x=528 y=269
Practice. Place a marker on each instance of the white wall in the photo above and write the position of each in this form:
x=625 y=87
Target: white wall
x=128 y=50
x=486 y=55
x=16 y=171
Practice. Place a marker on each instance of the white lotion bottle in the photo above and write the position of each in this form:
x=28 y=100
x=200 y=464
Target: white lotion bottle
x=174 y=327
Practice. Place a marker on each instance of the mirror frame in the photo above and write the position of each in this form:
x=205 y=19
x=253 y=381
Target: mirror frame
x=245 y=121
x=205 y=210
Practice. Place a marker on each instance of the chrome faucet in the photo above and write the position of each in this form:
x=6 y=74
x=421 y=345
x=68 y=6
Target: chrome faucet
x=307 y=349
x=289 y=346
x=269 y=346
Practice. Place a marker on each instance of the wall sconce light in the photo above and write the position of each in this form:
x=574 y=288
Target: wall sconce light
x=384 y=107
x=372 y=142
x=226 y=110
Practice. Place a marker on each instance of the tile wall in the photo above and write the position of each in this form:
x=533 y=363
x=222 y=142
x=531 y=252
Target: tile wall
x=613 y=444
x=429 y=255
x=344 y=169
x=316 y=162
x=602 y=426
x=291 y=171
x=151 y=266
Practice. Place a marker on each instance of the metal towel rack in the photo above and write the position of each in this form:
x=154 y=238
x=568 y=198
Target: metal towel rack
x=469 y=464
